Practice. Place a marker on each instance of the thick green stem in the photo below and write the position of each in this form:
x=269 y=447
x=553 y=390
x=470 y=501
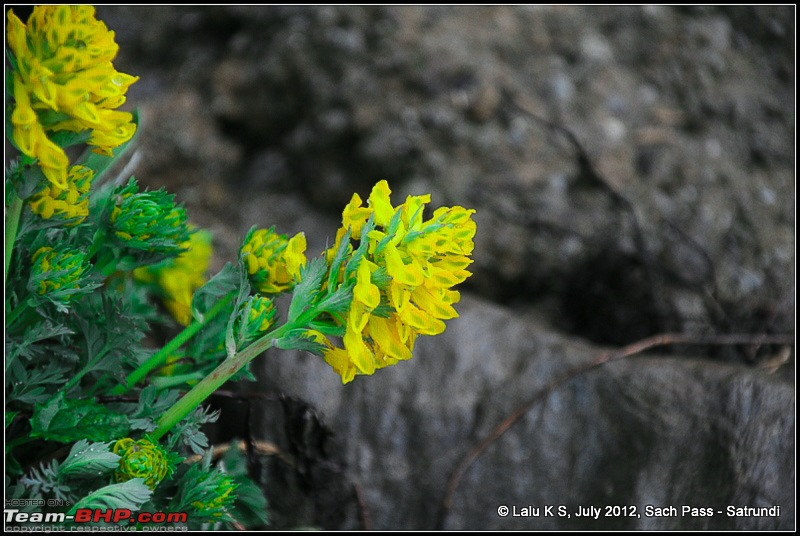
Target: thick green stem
x=159 y=358
x=214 y=381
x=12 y=226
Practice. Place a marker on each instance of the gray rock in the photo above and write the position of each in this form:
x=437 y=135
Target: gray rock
x=648 y=430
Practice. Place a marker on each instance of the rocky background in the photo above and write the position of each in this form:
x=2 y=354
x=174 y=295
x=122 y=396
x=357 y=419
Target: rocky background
x=633 y=174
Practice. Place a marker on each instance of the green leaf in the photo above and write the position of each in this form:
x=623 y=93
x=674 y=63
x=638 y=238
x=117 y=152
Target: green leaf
x=67 y=138
x=411 y=235
x=66 y=420
x=152 y=404
x=358 y=254
x=130 y=495
x=381 y=278
x=28 y=181
x=12 y=61
x=189 y=431
x=10 y=417
x=38 y=332
x=337 y=302
x=390 y=232
x=338 y=259
x=226 y=281
x=43 y=480
x=384 y=310
x=296 y=339
x=326 y=327
x=250 y=507
x=305 y=292
x=231 y=344
x=28 y=387
x=89 y=460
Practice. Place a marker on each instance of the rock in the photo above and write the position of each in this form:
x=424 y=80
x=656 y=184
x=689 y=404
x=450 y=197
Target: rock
x=648 y=430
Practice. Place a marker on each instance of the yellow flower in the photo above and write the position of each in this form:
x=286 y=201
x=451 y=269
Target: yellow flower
x=177 y=279
x=64 y=79
x=403 y=284
x=70 y=203
x=272 y=260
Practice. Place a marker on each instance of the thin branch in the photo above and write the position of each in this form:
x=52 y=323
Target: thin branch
x=262 y=448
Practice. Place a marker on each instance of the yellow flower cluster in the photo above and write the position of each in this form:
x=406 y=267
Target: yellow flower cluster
x=273 y=260
x=423 y=260
x=177 y=279
x=70 y=203
x=141 y=459
x=64 y=80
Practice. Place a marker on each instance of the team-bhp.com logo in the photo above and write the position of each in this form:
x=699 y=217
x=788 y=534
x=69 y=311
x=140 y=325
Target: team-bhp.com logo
x=96 y=515
x=122 y=515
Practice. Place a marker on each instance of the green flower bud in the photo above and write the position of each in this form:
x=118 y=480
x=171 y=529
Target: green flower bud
x=149 y=221
x=216 y=493
x=261 y=314
x=59 y=274
x=141 y=459
x=273 y=260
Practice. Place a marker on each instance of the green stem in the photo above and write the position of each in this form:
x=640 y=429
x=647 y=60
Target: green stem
x=166 y=382
x=20 y=309
x=159 y=358
x=89 y=366
x=12 y=226
x=106 y=264
x=215 y=380
x=97 y=241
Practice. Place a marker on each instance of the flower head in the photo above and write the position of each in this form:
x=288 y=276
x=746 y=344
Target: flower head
x=70 y=203
x=178 y=278
x=59 y=273
x=141 y=459
x=404 y=268
x=149 y=221
x=64 y=79
x=273 y=261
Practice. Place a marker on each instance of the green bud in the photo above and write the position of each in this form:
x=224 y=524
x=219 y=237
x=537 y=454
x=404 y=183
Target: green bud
x=260 y=314
x=59 y=273
x=214 y=493
x=149 y=220
x=141 y=459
